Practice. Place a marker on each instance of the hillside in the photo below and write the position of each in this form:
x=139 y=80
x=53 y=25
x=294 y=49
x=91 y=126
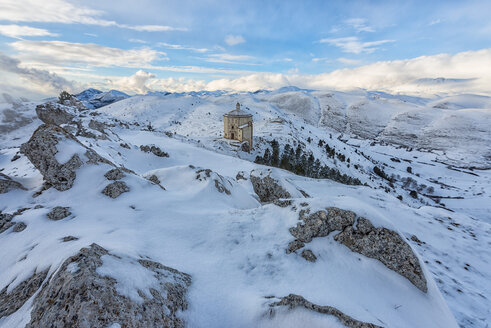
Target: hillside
x=145 y=199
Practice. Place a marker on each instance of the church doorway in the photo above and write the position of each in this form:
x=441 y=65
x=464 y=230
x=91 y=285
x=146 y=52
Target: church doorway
x=232 y=137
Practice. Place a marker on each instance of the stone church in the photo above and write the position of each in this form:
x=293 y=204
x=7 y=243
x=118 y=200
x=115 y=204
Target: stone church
x=238 y=125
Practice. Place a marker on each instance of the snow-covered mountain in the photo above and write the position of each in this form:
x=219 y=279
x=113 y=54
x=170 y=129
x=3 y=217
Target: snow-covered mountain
x=93 y=98
x=140 y=214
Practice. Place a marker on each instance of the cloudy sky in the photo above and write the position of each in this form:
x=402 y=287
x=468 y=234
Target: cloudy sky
x=184 y=45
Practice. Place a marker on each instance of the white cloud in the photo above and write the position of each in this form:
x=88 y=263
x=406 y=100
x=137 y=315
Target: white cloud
x=16 y=31
x=230 y=59
x=349 y=61
x=233 y=40
x=137 y=41
x=62 y=11
x=40 y=80
x=470 y=70
x=359 y=24
x=181 y=47
x=353 y=45
x=85 y=54
x=136 y=83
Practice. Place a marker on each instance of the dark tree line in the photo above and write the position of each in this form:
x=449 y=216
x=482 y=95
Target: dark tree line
x=303 y=163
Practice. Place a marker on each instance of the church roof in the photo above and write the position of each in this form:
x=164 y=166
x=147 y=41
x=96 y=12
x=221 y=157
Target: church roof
x=239 y=113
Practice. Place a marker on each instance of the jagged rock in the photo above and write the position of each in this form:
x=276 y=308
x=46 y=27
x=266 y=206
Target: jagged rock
x=98 y=126
x=15 y=299
x=240 y=176
x=115 y=189
x=153 y=178
x=220 y=181
x=7 y=184
x=309 y=255
x=52 y=113
x=41 y=149
x=292 y=301
x=154 y=150
x=294 y=246
x=5 y=221
x=386 y=246
x=19 y=226
x=114 y=174
x=68 y=238
x=59 y=213
x=125 y=145
x=16 y=157
x=79 y=296
x=267 y=188
x=282 y=202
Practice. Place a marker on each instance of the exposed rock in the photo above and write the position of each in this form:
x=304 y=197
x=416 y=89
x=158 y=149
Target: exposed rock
x=114 y=174
x=386 y=246
x=78 y=296
x=220 y=181
x=292 y=301
x=154 y=150
x=115 y=189
x=240 y=176
x=282 y=202
x=16 y=157
x=267 y=188
x=41 y=149
x=7 y=184
x=153 y=178
x=19 y=226
x=294 y=246
x=59 y=213
x=125 y=145
x=321 y=223
x=13 y=300
x=5 y=221
x=98 y=126
x=68 y=238
x=309 y=255
x=52 y=113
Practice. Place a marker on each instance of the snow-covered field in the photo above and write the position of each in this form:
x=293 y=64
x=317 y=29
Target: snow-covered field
x=212 y=225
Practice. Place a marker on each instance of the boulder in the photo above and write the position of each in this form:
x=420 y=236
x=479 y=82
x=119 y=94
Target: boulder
x=267 y=188
x=78 y=295
x=59 y=213
x=115 y=189
x=293 y=301
x=384 y=245
x=7 y=184
x=5 y=221
x=114 y=174
x=42 y=148
x=309 y=255
x=154 y=150
x=53 y=113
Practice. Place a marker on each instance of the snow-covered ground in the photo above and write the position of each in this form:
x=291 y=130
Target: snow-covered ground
x=232 y=245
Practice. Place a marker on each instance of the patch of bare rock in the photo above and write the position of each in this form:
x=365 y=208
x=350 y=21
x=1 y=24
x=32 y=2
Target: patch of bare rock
x=115 y=189
x=293 y=301
x=59 y=213
x=359 y=235
x=78 y=296
x=7 y=184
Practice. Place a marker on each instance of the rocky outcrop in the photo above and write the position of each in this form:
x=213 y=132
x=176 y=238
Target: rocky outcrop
x=41 y=149
x=321 y=223
x=19 y=226
x=115 y=189
x=53 y=113
x=114 y=174
x=59 y=213
x=13 y=300
x=384 y=245
x=5 y=221
x=154 y=150
x=293 y=301
x=7 y=184
x=309 y=255
x=267 y=188
x=78 y=296
x=220 y=182
x=381 y=244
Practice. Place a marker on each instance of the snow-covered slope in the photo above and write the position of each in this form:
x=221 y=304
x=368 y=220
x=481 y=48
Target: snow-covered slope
x=192 y=201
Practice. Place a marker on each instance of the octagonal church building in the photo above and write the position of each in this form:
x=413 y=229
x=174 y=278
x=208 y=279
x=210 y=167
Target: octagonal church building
x=238 y=125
